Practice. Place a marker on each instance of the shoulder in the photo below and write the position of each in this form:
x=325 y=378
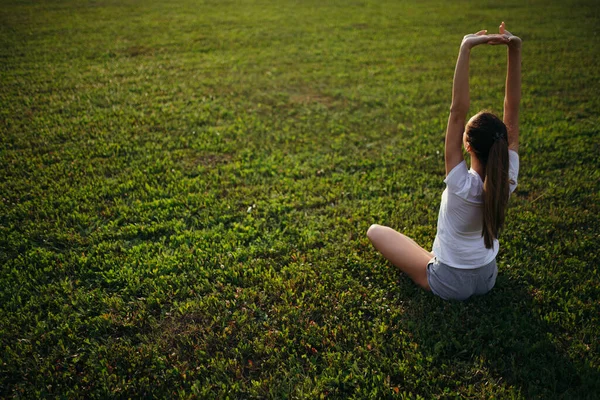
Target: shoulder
x=513 y=162
x=459 y=181
x=513 y=169
x=457 y=173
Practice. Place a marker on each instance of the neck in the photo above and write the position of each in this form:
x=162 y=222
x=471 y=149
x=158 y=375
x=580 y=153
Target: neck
x=478 y=167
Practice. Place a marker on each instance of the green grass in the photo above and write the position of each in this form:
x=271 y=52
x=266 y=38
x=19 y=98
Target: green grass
x=186 y=185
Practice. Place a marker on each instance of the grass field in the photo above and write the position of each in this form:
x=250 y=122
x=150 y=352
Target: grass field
x=186 y=185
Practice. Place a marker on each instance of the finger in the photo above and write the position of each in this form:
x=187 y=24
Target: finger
x=498 y=40
x=482 y=32
x=504 y=30
x=498 y=37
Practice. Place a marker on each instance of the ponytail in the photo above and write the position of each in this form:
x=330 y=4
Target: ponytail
x=495 y=191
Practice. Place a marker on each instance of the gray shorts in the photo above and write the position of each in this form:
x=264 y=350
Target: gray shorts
x=459 y=284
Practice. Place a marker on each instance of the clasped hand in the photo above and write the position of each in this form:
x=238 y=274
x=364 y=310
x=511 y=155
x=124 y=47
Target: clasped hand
x=481 y=37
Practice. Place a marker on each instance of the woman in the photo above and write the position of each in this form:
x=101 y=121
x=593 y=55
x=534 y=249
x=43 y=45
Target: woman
x=471 y=216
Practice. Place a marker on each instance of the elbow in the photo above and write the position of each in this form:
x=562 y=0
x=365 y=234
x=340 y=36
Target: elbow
x=458 y=111
x=458 y=114
x=513 y=104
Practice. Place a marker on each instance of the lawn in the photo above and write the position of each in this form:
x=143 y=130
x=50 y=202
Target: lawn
x=186 y=185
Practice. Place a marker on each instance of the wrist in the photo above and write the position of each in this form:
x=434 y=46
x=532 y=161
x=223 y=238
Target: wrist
x=514 y=43
x=465 y=47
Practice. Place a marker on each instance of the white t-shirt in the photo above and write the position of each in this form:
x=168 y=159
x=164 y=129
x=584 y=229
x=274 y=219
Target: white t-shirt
x=459 y=242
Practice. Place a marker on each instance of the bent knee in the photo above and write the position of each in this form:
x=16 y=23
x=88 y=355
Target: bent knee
x=374 y=231
x=423 y=282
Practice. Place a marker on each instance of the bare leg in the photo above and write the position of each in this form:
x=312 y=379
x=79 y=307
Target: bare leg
x=402 y=251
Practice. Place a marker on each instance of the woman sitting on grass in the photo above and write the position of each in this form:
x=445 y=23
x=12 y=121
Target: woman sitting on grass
x=463 y=260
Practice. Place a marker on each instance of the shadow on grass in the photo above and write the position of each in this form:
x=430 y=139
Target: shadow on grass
x=499 y=339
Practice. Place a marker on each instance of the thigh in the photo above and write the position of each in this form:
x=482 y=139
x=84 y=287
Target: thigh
x=401 y=251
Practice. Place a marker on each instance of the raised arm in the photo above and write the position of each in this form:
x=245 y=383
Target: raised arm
x=512 y=97
x=460 y=96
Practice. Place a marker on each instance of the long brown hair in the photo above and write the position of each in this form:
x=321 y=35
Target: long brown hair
x=488 y=138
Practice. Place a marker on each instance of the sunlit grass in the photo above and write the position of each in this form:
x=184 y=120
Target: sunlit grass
x=185 y=190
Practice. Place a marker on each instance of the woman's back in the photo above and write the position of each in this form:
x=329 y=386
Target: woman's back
x=459 y=242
